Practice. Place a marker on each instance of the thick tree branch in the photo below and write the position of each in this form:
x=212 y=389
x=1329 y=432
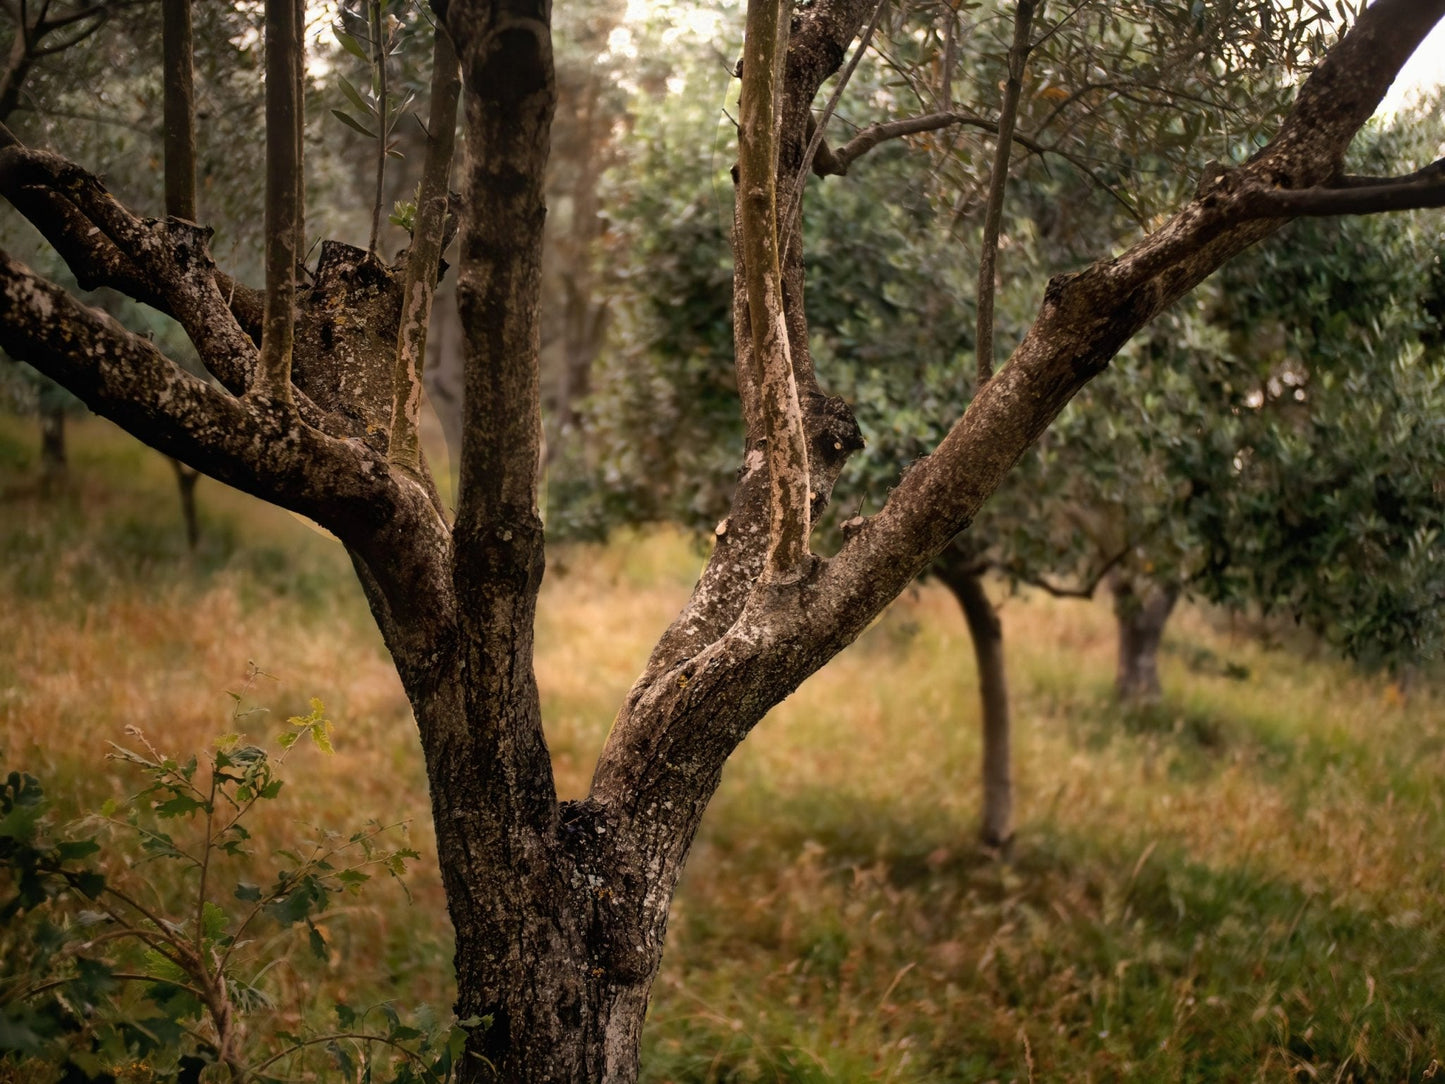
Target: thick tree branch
x=425 y=255
x=1404 y=194
x=59 y=198
x=262 y=450
x=510 y=94
x=165 y=264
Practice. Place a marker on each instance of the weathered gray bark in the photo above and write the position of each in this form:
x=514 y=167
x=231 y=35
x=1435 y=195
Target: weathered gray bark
x=1142 y=608
x=560 y=908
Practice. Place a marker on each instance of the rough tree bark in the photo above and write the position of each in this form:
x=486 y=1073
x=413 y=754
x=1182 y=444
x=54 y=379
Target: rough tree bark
x=560 y=907
x=1142 y=609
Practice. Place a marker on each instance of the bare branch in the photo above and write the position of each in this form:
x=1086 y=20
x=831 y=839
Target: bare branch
x=1433 y=171
x=1085 y=589
x=998 y=179
x=283 y=164
x=950 y=58
x=379 y=39
x=45 y=25
x=815 y=134
x=425 y=255
x=836 y=162
x=1350 y=196
x=180 y=111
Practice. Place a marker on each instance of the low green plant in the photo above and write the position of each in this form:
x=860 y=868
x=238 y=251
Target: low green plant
x=116 y=970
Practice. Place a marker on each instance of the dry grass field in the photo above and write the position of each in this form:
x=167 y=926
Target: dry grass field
x=1247 y=884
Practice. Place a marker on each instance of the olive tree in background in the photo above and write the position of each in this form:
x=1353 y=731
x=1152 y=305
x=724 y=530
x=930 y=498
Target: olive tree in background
x=1115 y=495
x=560 y=907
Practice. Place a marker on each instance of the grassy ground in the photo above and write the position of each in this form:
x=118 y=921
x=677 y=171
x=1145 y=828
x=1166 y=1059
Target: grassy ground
x=1247 y=884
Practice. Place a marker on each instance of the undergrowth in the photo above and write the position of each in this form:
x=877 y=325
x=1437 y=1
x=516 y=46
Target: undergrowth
x=1244 y=883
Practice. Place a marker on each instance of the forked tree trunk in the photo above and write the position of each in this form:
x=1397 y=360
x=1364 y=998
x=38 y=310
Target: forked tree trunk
x=1142 y=610
x=986 y=631
x=560 y=908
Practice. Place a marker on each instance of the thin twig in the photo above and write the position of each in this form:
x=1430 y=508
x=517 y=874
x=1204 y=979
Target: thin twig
x=795 y=193
x=1008 y=115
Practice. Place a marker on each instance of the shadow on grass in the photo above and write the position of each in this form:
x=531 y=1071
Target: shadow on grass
x=1115 y=959
x=88 y=541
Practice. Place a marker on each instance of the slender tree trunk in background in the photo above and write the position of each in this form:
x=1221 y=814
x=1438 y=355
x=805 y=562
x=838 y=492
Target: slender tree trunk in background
x=12 y=77
x=186 y=479
x=53 y=462
x=958 y=572
x=1142 y=610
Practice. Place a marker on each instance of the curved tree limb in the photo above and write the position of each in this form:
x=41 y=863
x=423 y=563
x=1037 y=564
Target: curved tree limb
x=165 y=264
x=835 y=162
x=125 y=377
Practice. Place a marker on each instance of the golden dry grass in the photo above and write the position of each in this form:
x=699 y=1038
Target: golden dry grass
x=1243 y=885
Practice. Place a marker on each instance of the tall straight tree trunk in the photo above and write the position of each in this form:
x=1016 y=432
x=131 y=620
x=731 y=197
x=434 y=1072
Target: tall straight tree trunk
x=1142 y=609
x=958 y=572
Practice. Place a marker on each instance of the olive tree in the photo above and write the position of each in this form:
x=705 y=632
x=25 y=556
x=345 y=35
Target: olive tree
x=560 y=907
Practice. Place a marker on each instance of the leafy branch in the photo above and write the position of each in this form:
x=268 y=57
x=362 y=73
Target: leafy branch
x=373 y=38
x=92 y=936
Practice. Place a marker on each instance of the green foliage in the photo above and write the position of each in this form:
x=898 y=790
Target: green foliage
x=663 y=427
x=111 y=970
x=372 y=36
